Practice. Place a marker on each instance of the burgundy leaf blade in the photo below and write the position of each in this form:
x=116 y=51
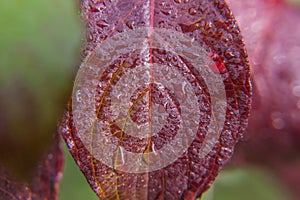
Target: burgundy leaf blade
x=212 y=26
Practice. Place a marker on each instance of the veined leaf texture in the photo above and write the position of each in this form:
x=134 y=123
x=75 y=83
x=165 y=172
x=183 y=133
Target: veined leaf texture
x=161 y=98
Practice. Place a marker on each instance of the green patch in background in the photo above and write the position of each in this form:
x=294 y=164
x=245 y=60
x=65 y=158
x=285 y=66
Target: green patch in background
x=246 y=184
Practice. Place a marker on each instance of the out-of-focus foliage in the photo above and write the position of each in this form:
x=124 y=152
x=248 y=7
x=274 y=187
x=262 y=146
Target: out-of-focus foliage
x=45 y=181
x=247 y=184
x=295 y=2
x=39 y=52
x=271 y=32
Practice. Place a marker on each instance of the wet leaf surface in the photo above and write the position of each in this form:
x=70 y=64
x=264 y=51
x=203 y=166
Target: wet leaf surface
x=213 y=28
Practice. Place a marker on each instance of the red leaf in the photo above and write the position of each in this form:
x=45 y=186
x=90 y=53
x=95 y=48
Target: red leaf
x=44 y=184
x=161 y=98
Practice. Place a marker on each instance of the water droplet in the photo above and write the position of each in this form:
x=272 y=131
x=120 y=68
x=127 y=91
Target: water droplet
x=90 y=36
x=220 y=161
x=225 y=152
x=153 y=149
x=94 y=9
x=166 y=12
x=102 y=24
x=130 y=24
x=163 y=3
x=208 y=25
x=78 y=96
x=192 y=11
x=71 y=144
x=99 y=5
x=119 y=157
x=229 y=54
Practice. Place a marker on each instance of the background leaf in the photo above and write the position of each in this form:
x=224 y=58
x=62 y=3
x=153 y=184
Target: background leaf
x=247 y=183
x=43 y=185
x=39 y=41
x=272 y=35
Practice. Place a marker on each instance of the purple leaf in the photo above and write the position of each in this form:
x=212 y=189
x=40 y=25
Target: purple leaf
x=161 y=98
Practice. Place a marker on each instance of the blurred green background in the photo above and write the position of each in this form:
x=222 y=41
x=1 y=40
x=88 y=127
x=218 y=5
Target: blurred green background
x=39 y=55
